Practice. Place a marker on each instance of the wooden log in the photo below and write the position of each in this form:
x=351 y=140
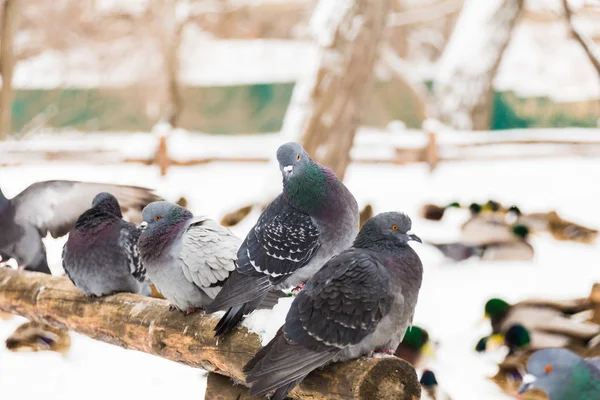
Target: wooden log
x=146 y=324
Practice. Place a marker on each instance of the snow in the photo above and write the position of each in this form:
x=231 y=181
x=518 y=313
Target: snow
x=451 y=300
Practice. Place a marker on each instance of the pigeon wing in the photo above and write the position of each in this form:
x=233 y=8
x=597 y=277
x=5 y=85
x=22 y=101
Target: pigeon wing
x=342 y=304
x=282 y=241
x=54 y=206
x=208 y=254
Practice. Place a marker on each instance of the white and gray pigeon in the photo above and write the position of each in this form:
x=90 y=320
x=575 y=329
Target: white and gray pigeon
x=313 y=219
x=101 y=255
x=361 y=301
x=187 y=258
x=563 y=375
x=53 y=206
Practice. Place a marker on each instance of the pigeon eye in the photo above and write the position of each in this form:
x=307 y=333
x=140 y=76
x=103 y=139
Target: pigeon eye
x=394 y=227
x=157 y=218
x=548 y=368
x=298 y=157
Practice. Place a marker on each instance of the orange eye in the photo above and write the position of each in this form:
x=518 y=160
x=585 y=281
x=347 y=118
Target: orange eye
x=394 y=227
x=298 y=157
x=157 y=218
x=548 y=368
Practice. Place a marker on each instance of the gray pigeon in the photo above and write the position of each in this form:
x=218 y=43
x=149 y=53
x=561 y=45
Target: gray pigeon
x=563 y=375
x=101 y=255
x=53 y=206
x=361 y=301
x=187 y=258
x=314 y=218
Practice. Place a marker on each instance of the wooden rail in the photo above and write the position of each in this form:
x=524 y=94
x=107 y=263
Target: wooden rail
x=146 y=324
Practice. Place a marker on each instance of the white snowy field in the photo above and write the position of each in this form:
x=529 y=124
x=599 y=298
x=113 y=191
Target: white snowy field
x=451 y=300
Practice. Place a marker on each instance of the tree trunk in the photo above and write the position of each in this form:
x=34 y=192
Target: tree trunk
x=172 y=65
x=463 y=85
x=348 y=34
x=7 y=65
x=146 y=324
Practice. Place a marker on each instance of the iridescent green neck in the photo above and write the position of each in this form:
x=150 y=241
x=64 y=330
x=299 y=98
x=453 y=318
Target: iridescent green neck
x=311 y=190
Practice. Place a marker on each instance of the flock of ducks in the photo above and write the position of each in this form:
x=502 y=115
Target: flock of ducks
x=494 y=232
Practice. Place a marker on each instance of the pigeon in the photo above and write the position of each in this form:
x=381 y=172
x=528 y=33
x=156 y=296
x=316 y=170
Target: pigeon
x=187 y=258
x=314 y=218
x=540 y=316
x=430 y=387
x=101 y=255
x=361 y=301
x=562 y=375
x=53 y=206
x=515 y=249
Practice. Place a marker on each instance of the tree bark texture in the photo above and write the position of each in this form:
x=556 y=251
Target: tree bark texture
x=463 y=85
x=146 y=324
x=348 y=34
x=7 y=65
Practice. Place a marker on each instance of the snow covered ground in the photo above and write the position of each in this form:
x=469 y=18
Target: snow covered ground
x=451 y=300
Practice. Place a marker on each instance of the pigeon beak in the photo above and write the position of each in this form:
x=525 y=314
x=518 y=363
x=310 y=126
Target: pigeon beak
x=288 y=170
x=143 y=225
x=528 y=383
x=412 y=236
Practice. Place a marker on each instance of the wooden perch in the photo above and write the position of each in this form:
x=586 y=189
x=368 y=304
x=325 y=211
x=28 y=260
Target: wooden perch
x=146 y=324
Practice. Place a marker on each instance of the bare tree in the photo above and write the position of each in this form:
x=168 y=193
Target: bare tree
x=587 y=44
x=463 y=86
x=348 y=34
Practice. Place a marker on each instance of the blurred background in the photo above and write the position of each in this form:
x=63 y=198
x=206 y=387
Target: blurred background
x=416 y=104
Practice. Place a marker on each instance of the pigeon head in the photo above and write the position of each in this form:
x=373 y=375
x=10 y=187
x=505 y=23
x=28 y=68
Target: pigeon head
x=293 y=160
x=550 y=370
x=428 y=379
x=520 y=231
x=108 y=203
x=161 y=214
x=386 y=228
x=496 y=308
x=416 y=338
x=517 y=337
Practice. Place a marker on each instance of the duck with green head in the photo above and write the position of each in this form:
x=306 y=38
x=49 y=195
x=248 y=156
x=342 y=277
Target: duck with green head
x=414 y=345
x=516 y=338
x=546 y=321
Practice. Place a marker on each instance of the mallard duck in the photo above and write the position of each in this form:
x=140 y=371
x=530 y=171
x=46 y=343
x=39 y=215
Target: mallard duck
x=35 y=336
x=517 y=249
x=540 y=316
x=414 y=345
x=431 y=389
x=434 y=212
x=365 y=214
x=536 y=222
x=235 y=217
x=485 y=227
x=562 y=229
x=182 y=202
